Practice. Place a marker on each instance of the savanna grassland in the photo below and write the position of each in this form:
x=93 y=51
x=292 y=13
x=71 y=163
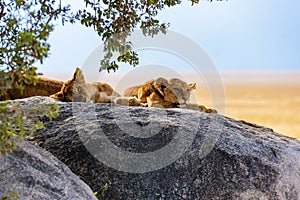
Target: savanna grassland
x=273 y=105
x=268 y=99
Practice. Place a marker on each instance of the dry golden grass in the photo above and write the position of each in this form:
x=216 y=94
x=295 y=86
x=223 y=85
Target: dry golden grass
x=275 y=103
x=272 y=105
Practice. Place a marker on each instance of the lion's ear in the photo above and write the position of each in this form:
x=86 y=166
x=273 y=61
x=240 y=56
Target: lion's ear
x=160 y=84
x=192 y=85
x=78 y=75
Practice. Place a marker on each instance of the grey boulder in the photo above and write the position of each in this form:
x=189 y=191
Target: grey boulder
x=151 y=153
x=36 y=174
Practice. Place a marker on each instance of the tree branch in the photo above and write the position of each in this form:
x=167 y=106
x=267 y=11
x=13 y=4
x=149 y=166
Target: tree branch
x=2 y=10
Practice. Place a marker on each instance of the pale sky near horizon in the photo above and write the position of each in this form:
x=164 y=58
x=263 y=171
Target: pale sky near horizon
x=237 y=35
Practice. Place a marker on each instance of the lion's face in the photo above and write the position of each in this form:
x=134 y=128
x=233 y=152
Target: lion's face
x=178 y=91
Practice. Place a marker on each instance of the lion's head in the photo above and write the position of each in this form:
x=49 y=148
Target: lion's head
x=74 y=90
x=165 y=93
x=177 y=91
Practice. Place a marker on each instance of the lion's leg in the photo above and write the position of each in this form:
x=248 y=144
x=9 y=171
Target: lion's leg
x=101 y=98
x=199 y=108
x=144 y=92
x=154 y=100
x=129 y=101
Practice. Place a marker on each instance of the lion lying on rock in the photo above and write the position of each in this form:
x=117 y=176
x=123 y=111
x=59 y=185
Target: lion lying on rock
x=173 y=93
x=77 y=90
x=43 y=87
x=162 y=92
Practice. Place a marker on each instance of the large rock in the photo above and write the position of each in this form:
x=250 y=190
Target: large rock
x=36 y=174
x=213 y=157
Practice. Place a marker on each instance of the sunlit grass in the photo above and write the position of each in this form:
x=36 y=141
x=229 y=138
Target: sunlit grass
x=275 y=105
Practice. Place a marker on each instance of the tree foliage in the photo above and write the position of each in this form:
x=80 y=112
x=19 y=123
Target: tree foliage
x=25 y=27
x=16 y=122
x=114 y=21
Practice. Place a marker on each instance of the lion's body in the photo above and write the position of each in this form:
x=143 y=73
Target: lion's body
x=78 y=90
x=162 y=93
x=132 y=91
x=43 y=87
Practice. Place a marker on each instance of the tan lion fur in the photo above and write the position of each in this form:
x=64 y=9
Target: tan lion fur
x=76 y=89
x=198 y=107
x=162 y=92
x=43 y=87
x=128 y=101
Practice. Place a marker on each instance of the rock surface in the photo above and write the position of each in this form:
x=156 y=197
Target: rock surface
x=215 y=157
x=36 y=174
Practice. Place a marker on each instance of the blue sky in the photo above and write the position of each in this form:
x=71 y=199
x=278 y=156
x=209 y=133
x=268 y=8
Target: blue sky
x=237 y=35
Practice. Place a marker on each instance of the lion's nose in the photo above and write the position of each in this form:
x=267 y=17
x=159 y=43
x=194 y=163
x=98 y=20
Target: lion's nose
x=185 y=100
x=184 y=103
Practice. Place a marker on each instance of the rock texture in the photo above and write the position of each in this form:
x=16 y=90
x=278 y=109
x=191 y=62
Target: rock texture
x=36 y=174
x=226 y=159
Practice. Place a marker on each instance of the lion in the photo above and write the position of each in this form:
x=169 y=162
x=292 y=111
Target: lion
x=161 y=92
x=77 y=90
x=43 y=87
